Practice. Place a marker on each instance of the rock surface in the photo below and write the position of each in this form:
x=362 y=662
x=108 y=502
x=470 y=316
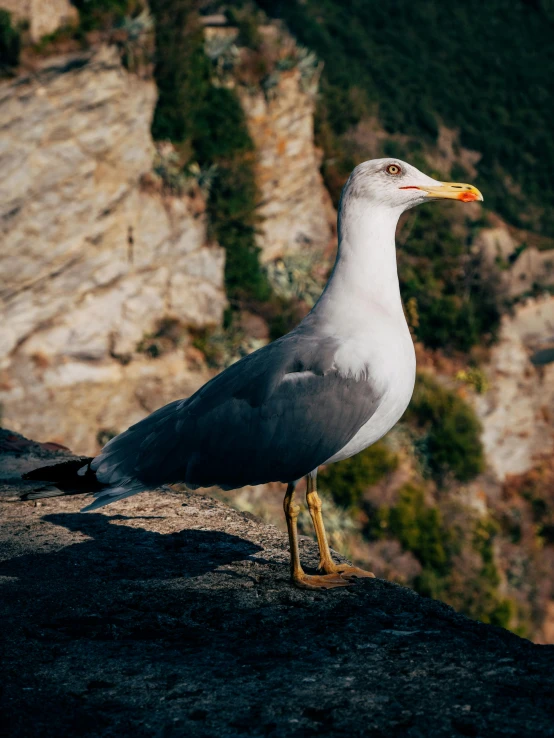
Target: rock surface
x=519 y=272
x=94 y=255
x=516 y=412
x=172 y=615
x=43 y=16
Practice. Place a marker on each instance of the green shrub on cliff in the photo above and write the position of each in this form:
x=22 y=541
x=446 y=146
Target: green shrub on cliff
x=231 y=208
x=182 y=70
x=10 y=42
x=457 y=563
x=208 y=125
x=102 y=14
x=457 y=301
x=536 y=488
x=220 y=127
x=449 y=439
x=417 y=526
x=475 y=590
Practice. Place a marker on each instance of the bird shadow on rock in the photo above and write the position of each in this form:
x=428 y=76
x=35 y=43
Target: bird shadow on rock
x=123 y=552
x=124 y=582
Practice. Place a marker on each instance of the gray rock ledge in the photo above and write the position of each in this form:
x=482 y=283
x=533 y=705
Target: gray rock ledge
x=170 y=614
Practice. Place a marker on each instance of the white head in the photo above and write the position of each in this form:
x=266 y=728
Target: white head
x=376 y=194
x=396 y=185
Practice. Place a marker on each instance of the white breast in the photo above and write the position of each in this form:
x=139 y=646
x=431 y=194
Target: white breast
x=392 y=363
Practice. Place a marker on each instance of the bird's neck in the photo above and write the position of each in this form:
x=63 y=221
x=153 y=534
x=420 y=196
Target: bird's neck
x=365 y=275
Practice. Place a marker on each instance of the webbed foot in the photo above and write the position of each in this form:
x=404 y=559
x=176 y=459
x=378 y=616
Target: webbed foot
x=346 y=571
x=320 y=581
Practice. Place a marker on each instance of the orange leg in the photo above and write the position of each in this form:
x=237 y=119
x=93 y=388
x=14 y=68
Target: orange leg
x=326 y=562
x=299 y=578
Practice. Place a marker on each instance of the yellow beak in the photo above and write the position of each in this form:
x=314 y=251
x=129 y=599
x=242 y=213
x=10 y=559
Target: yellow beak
x=452 y=191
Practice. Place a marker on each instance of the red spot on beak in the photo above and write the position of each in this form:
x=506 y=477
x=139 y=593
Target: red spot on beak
x=467 y=196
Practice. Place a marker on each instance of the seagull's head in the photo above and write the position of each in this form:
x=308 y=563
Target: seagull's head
x=398 y=185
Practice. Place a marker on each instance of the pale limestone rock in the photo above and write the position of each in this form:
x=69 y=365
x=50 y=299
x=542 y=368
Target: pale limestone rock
x=295 y=206
x=532 y=267
x=91 y=260
x=44 y=16
x=517 y=412
x=497 y=244
x=529 y=268
x=73 y=401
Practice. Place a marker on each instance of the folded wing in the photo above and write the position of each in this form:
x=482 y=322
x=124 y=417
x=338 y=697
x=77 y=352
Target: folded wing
x=275 y=415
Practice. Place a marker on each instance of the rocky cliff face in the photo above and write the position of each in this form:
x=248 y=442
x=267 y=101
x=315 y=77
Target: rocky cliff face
x=520 y=265
x=97 y=256
x=296 y=210
x=516 y=411
x=94 y=255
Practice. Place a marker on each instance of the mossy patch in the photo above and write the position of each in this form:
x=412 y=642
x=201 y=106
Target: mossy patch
x=417 y=526
x=456 y=295
x=232 y=214
x=536 y=488
x=182 y=71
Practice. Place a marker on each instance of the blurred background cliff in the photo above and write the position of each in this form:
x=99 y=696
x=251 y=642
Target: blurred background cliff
x=169 y=178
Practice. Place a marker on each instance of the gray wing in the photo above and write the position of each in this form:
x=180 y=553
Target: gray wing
x=275 y=415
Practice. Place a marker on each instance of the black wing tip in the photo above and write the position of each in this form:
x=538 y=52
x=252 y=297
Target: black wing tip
x=62 y=471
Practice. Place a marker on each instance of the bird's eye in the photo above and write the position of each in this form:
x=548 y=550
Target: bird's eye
x=393 y=169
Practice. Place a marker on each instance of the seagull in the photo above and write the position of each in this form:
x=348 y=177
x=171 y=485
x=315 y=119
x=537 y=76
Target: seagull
x=323 y=392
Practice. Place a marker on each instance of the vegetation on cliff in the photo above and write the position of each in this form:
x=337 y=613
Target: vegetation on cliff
x=10 y=42
x=457 y=561
x=346 y=481
x=456 y=296
x=450 y=442
x=207 y=124
x=94 y=14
